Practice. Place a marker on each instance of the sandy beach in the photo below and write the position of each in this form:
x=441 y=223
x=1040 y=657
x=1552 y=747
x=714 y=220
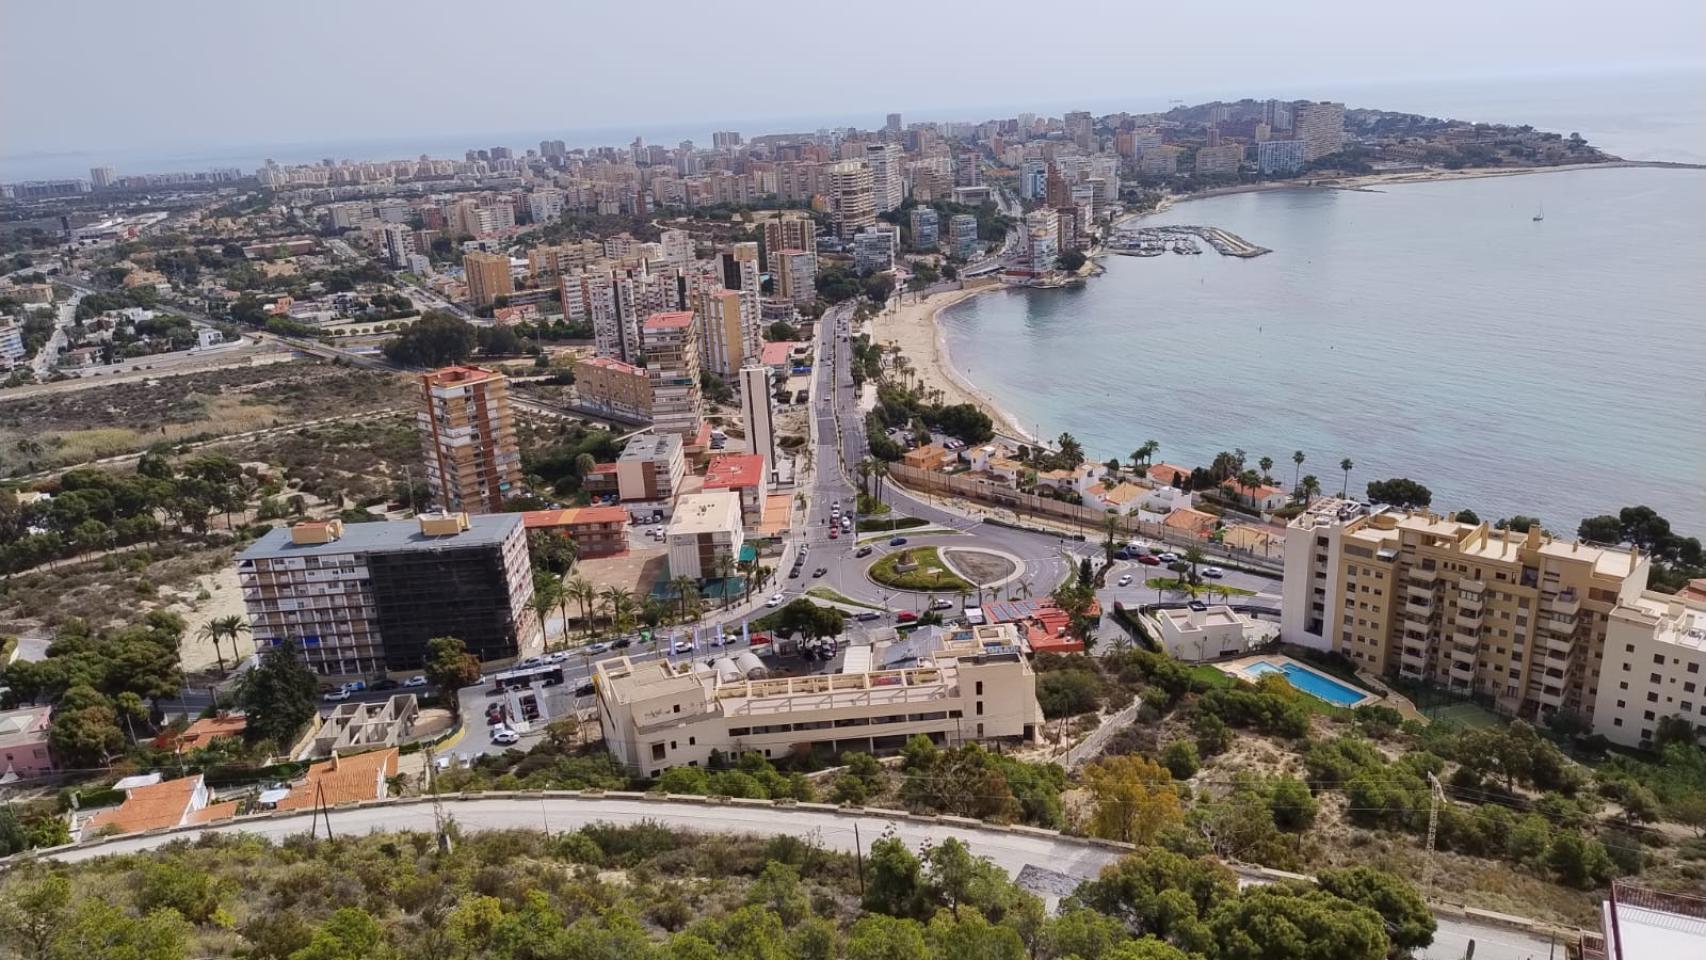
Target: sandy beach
x=913 y=327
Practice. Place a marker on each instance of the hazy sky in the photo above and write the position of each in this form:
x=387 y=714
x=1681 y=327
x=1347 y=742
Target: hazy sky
x=99 y=74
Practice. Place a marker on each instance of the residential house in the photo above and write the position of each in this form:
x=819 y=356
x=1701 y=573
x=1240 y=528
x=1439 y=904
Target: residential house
x=344 y=780
x=203 y=732
x=1167 y=474
x=153 y=804
x=1164 y=499
x=1262 y=496
x=1202 y=632
x=1193 y=522
x=931 y=456
x=1122 y=498
x=23 y=742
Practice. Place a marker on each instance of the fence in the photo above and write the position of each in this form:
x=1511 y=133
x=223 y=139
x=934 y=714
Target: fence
x=965 y=487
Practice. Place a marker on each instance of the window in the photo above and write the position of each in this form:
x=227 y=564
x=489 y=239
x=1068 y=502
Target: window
x=1659 y=659
x=980 y=688
x=1694 y=668
x=980 y=708
x=1617 y=722
x=1652 y=698
x=1654 y=678
x=1619 y=704
x=1648 y=715
x=657 y=751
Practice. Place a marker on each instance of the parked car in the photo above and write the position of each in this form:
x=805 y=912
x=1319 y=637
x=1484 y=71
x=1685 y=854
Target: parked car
x=794 y=574
x=867 y=616
x=494 y=714
x=1214 y=572
x=418 y=680
x=774 y=601
x=897 y=542
x=386 y=684
x=503 y=736
x=862 y=552
x=1149 y=560
x=336 y=696
x=820 y=571
x=603 y=646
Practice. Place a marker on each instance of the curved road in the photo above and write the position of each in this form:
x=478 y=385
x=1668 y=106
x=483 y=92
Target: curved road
x=1055 y=862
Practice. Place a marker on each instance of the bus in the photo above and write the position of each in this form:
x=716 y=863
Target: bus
x=522 y=678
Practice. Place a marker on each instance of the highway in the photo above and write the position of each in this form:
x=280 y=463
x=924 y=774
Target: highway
x=1047 y=863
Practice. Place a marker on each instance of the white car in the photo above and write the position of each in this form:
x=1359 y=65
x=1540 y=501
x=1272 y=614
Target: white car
x=336 y=696
x=503 y=736
x=601 y=646
x=1125 y=581
x=683 y=645
x=774 y=601
x=418 y=680
x=1214 y=572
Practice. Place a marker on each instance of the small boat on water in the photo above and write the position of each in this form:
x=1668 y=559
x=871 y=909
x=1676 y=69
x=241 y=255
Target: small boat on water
x=1540 y=214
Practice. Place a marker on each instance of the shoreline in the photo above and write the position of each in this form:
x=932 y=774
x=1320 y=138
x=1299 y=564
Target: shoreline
x=1368 y=182
x=934 y=363
x=917 y=330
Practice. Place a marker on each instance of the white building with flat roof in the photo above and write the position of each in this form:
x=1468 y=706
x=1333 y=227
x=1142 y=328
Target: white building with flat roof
x=705 y=528
x=1203 y=632
x=950 y=686
x=1654 y=667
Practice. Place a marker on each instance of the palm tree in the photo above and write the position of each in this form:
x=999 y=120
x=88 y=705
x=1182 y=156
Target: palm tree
x=724 y=567
x=879 y=472
x=867 y=467
x=1267 y=465
x=1145 y=452
x=1111 y=529
x=547 y=596
x=1311 y=488
x=1297 y=459
x=683 y=586
x=1346 y=466
x=221 y=627
x=1193 y=556
x=581 y=590
x=619 y=604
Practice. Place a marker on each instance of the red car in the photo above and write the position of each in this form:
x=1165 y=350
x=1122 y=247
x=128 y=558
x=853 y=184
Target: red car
x=834 y=534
x=906 y=616
x=1149 y=560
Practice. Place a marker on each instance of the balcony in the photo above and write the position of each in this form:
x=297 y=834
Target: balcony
x=1413 y=659
x=1547 y=695
x=1419 y=591
x=1560 y=644
x=1423 y=577
x=1468 y=621
x=1470 y=599
x=1462 y=670
x=1564 y=603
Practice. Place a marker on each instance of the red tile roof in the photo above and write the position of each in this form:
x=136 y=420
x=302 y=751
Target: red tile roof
x=776 y=353
x=164 y=804
x=1163 y=472
x=344 y=780
x=203 y=732
x=458 y=374
x=571 y=517
x=674 y=320
x=611 y=363
x=734 y=471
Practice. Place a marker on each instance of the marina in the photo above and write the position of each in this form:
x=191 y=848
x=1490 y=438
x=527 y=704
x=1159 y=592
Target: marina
x=1181 y=239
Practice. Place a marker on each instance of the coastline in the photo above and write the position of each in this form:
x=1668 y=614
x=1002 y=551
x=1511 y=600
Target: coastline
x=915 y=327
x=1372 y=181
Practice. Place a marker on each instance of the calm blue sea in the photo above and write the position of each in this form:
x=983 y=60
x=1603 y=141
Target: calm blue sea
x=1432 y=331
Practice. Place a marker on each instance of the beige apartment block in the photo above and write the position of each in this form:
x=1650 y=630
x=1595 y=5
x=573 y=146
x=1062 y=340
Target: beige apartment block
x=472 y=460
x=704 y=532
x=672 y=362
x=611 y=385
x=487 y=276
x=969 y=685
x=1519 y=619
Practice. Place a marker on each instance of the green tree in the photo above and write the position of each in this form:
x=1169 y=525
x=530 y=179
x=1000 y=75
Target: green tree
x=1409 y=922
x=1467 y=515
x=1601 y=529
x=436 y=339
x=779 y=890
x=1084 y=934
x=1296 y=922
x=350 y=933
x=1180 y=759
x=896 y=885
x=1134 y=797
x=1292 y=804
x=1346 y=465
x=1297 y=458
x=277 y=695
x=35 y=913
x=171 y=884
x=1400 y=492
x=1577 y=860
x=879 y=937
x=1068 y=452
x=450 y=667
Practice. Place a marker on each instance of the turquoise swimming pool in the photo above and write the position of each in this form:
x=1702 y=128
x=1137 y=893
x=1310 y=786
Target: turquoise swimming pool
x=1315 y=684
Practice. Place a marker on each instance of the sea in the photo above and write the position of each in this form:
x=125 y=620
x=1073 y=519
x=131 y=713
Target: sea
x=1436 y=331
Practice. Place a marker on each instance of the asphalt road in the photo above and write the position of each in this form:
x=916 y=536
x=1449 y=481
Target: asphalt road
x=1033 y=857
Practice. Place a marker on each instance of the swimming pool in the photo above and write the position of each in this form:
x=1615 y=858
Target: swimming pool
x=1315 y=684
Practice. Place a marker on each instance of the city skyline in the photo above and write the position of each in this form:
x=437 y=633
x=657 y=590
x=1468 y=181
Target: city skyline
x=1291 y=54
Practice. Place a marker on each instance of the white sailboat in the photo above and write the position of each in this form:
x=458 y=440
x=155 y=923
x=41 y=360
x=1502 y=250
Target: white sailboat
x=1540 y=214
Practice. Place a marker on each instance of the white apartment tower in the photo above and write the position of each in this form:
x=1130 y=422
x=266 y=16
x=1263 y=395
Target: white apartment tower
x=852 y=198
x=888 y=187
x=757 y=407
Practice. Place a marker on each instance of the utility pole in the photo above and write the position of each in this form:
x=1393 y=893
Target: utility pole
x=859 y=853
x=1435 y=799
x=438 y=818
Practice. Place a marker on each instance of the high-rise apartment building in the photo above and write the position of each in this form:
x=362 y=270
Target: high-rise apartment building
x=364 y=600
x=758 y=410
x=672 y=362
x=1518 y=618
x=1222 y=159
x=726 y=344
x=472 y=460
x=1279 y=157
x=962 y=235
x=725 y=140
x=851 y=197
x=892 y=126
x=888 y=184
x=924 y=224
x=611 y=386
x=795 y=272
x=873 y=249
x=399 y=245
x=102 y=178
x=1321 y=127
x=1039 y=242
x=779 y=234
x=678 y=248
x=487 y=276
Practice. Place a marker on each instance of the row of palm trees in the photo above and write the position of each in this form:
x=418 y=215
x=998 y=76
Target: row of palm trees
x=623 y=610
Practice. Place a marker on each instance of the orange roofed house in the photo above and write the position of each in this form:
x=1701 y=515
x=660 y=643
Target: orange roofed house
x=344 y=780
x=203 y=732
x=1165 y=474
x=152 y=804
x=744 y=474
x=596 y=531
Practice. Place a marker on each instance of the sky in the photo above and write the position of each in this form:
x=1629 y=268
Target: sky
x=83 y=76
